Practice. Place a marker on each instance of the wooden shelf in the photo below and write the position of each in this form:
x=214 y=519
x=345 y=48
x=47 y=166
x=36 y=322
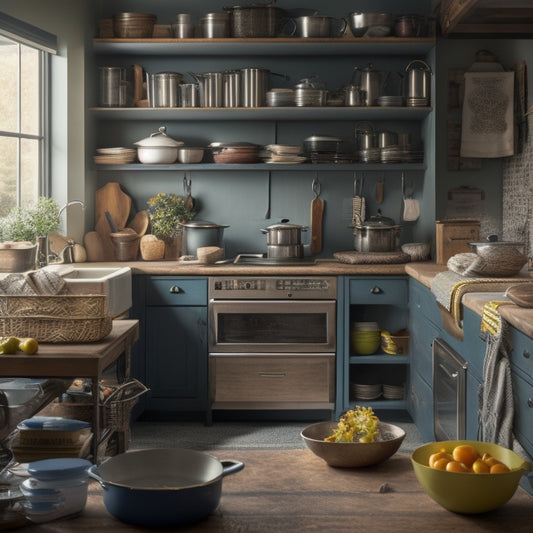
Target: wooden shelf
x=307 y=167
x=261 y=113
x=380 y=359
x=270 y=47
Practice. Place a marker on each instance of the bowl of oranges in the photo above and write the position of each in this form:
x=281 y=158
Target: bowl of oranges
x=468 y=476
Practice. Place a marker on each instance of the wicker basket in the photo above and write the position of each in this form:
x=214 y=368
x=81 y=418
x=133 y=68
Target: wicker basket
x=55 y=318
x=118 y=405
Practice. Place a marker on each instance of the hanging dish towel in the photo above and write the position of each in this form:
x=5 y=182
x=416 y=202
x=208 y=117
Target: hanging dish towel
x=495 y=394
x=488 y=115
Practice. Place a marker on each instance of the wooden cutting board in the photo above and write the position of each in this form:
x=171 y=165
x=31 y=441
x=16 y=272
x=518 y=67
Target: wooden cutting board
x=94 y=247
x=317 y=213
x=140 y=222
x=117 y=203
x=112 y=198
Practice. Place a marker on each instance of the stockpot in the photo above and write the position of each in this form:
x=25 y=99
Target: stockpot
x=199 y=233
x=284 y=234
x=378 y=234
x=162 y=487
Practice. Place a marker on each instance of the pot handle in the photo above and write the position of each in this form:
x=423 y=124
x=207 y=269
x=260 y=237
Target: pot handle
x=92 y=473
x=231 y=467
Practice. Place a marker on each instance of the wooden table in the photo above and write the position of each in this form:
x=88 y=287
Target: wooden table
x=293 y=490
x=77 y=360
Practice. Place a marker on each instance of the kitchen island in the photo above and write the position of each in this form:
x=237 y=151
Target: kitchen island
x=293 y=490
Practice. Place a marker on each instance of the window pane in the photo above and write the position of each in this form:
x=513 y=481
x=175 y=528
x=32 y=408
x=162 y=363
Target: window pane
x=29 y=171
x=8 y=88
x=29 y=90
x=8 y=174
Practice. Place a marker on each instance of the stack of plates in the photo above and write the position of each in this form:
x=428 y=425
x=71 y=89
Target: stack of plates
x=280 y=97
x=369 y=155
x=417 y=101
x=390 y=101
x=366 y=392
x=115 y=156
x=400 y=154
x=393 y=392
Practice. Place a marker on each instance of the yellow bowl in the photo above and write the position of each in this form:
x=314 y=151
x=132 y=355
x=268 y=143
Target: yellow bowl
x=469 y=493
x=352 y=454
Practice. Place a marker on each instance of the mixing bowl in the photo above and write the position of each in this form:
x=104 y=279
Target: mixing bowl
x=466 y=492
x=352 y=454
x=365 y=342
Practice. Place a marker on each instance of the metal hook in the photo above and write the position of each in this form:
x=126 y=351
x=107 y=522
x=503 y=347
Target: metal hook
x=186 y=184
x=315 y=186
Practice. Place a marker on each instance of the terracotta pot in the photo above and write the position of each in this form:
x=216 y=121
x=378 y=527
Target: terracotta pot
x=173 y=247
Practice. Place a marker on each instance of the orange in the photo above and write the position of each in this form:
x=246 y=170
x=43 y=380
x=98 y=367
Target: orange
x=489 y=460
x=456 y=466
x=499 y=469
x=439 y=455
x=480 y=467
x=440 y=464
x=465 y=454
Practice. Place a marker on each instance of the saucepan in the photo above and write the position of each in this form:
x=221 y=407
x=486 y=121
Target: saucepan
x=162 y=487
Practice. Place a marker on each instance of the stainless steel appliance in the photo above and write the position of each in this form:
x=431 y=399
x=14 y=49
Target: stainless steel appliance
x=449 y=392
x=272 y=342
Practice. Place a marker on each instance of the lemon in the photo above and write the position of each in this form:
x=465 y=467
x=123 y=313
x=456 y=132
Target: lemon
x=29 y=346
x=9 y=345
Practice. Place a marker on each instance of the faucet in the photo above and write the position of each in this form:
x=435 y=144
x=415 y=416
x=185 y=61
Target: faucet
x=64 y=257
x=68 y=204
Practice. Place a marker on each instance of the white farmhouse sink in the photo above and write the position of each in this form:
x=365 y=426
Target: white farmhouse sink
x=114 y=282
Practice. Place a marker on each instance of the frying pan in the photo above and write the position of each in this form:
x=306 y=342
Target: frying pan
x=162 y=487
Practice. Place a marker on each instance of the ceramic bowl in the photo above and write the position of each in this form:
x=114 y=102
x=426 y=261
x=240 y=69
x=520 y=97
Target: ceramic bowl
x=352 y=454
x=469 y=493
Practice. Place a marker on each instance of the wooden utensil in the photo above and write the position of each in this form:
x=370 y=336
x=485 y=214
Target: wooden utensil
x=380 y=191
x=317 y=212
x=104 y=231
x=140 y=222
x=94 y=247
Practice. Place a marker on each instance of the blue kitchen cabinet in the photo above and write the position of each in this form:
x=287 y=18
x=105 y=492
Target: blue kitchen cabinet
x=173 y=363
x=424 y=326
x=384 y=300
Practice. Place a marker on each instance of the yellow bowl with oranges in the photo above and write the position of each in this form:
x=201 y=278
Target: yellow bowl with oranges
x=465 y=491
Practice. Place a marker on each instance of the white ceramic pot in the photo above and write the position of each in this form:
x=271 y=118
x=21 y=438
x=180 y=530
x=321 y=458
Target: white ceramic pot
x=158 y=149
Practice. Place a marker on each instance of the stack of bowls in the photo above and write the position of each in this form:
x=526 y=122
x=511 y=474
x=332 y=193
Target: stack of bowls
x=133 y=25
x=365 y=337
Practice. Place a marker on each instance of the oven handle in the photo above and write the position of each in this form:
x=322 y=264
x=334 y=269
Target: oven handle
x=272 y=374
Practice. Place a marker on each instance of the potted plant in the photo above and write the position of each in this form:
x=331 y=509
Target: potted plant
x=31 y=224
x=167 y=213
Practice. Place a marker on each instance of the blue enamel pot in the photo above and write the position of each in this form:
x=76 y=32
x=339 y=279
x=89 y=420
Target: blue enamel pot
x=162 y=487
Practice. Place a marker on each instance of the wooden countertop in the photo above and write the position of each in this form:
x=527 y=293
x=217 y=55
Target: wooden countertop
x=520 y=318
x=293 y=490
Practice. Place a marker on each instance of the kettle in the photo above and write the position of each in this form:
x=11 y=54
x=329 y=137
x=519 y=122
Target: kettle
x=418 y=80
x=371 y=81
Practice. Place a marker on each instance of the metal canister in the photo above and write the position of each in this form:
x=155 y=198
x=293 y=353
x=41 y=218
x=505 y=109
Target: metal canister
x=215 y=25
x=418 y=80
x=188 y=93
x=115 y=87
x=232 y=88
x=163 y=89
x=255 y=83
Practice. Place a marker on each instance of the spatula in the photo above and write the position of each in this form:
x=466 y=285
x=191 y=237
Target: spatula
x=317 y=212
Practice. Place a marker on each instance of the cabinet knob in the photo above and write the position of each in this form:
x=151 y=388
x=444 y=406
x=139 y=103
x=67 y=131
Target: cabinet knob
x=376 y=290
x=174 y=289
x=527 y=354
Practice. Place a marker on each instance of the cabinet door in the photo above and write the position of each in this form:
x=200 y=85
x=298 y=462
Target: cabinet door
x=176 y=357
x=421 y=406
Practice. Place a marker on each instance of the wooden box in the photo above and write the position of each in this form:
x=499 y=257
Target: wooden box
x=453 y=237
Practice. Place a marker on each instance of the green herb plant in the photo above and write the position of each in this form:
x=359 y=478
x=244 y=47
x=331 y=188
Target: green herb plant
x=167 y=212
x=28 y=223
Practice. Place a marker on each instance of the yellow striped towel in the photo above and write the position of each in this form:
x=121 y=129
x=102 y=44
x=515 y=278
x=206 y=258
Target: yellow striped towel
x=491 y=321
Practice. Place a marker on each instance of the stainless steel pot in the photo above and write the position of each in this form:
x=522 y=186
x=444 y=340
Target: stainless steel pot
x=353 y=96
x=116 y=87
x=418 y=80
x=210 y=88
x=199 y=233
x=162 y=89
x=284 y=234
x=255 y=82
x=371 y=81
x=378 y=234
x=162 y=487
x=318 y=26
x=258 y=20
x=285 y=251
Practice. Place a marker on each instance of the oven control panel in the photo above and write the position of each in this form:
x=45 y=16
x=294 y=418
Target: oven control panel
x=275 y=287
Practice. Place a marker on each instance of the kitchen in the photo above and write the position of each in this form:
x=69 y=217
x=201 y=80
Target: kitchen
x=240 y=199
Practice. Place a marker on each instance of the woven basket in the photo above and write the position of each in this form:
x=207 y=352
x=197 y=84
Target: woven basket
x=55 y=319
x=118 y=405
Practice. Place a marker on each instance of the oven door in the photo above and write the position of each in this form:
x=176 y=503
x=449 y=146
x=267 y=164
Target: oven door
x=266 y=326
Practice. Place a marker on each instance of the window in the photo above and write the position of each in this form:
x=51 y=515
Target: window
x=24 y=124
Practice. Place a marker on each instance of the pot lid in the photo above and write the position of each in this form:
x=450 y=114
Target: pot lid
x=57 y=469
x=315 y=138
x=203 y=224
x=232 y=145
x=159 y=139
x=378 y=221
x=277 y=227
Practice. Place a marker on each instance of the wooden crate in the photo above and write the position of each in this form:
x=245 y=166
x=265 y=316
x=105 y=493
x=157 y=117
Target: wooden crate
x=453 y=237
